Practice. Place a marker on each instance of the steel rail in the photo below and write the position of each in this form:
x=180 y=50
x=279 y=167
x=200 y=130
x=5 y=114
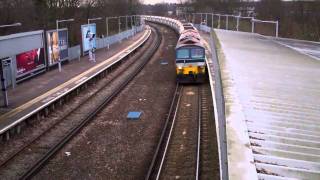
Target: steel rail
x=199 y=134
x=170 y=133
x=56 y=99
x=162 y=136
x=7 y=160
x=43 y=160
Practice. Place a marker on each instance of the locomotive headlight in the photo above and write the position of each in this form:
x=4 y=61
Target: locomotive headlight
x=179 y=69
x=202 y=69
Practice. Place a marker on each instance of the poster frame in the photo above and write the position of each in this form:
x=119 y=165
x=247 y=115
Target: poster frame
x=82 y=38
x=47 y=48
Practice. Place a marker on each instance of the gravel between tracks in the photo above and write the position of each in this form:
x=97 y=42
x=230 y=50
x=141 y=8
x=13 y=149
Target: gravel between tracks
x=112 y=147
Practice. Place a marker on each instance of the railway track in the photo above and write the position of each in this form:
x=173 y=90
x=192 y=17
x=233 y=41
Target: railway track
x=29 y=159
x=187 y=147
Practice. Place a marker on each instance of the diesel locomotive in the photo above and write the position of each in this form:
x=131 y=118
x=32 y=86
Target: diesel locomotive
x=190 y=56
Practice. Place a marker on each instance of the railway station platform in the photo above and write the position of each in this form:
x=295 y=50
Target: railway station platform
x=272 y=95
x=30 y=96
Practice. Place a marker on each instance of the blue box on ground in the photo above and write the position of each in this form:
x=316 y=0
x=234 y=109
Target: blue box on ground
x=134 y=115
x=163 y=62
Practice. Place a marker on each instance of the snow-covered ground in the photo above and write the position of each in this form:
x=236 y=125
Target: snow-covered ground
x=274 y=92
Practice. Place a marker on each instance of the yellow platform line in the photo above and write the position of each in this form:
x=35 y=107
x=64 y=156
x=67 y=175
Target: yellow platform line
x=43 y=96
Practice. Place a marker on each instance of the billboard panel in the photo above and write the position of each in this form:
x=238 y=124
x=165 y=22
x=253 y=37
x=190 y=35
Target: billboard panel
x=53 y=48
x=88 y=31
x=30 y=61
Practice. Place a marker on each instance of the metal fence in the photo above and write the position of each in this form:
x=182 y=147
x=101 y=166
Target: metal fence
x=107 y=41
x=231 y=22
x=75 y=51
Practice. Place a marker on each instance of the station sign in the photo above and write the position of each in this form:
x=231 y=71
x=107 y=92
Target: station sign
x=57 y=47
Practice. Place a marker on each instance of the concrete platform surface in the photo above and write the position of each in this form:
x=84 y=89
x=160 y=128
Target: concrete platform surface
x=272 y=96
x=309 y=48
x=33 y=93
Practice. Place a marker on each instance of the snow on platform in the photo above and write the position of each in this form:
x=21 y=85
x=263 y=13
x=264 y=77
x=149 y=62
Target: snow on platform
x=272 y=95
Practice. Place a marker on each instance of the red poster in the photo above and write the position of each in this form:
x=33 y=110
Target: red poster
x=31 y=60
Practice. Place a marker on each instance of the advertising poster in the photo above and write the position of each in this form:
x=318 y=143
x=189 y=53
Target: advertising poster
x=88 y=32
x=53 y=48
x=29 y=61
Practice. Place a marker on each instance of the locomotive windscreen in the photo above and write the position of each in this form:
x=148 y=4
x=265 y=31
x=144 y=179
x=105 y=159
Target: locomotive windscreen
x=182 y=53
x=197 y=53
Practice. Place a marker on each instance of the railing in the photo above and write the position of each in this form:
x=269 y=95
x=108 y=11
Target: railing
x=74 y=52
x=107 y=41
x=226 y=18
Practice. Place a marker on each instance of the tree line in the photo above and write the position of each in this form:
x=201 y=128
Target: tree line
x=298 y=19
x=42 y=14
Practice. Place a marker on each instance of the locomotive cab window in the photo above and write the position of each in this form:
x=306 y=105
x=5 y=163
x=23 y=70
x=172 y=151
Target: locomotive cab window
x=197 y=53
x=182 y=53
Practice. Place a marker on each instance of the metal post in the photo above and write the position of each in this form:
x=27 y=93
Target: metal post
x=238 y=20
x=219 y=21
x=3 y=85
x=252 y=25
x=201 y=19
x=119 y=28
x=193 y=18
x=206 y=19
x=132 y=30
x=212 y=21
x=107 y=27
x=227 y=22
x=127 y=26
x=126 y=23
x=277 y=28
x=59 y=62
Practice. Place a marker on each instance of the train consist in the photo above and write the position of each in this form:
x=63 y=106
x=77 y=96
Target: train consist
x=190 y=52
x=190 y=56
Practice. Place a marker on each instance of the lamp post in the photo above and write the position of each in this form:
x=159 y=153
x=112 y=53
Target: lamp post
x=2 y=78
x=57 y=24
